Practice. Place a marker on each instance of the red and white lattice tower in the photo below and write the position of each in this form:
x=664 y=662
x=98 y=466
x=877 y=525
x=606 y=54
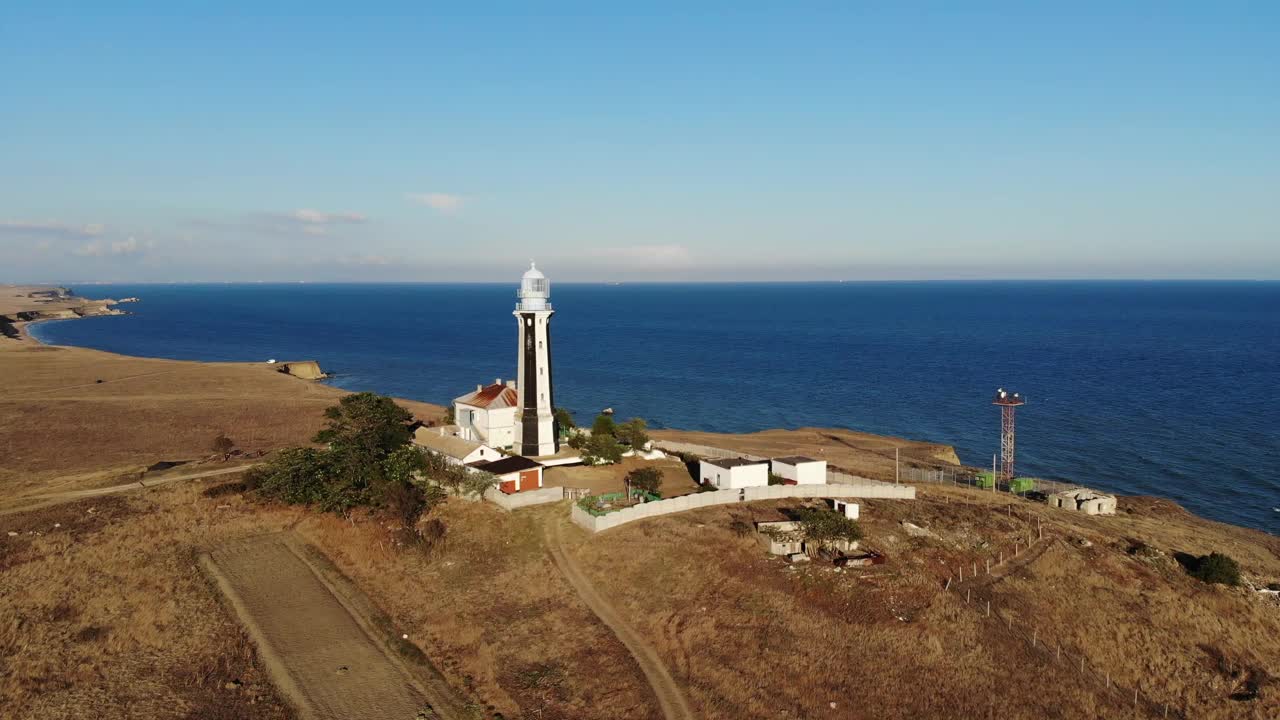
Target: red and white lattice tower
x=1008 y=402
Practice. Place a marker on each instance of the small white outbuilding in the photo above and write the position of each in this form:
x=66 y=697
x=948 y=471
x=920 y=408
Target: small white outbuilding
x=733 y=473
x=801 y=470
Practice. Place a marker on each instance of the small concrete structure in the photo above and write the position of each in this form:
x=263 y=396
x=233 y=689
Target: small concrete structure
x=775 y=534
x=457 y=450
x=1089 y=502
x=733 y=473
x=801 y=470
x=846 y=508
x=780 y=545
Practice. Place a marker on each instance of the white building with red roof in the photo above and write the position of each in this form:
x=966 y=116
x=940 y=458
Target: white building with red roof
x=488 y=415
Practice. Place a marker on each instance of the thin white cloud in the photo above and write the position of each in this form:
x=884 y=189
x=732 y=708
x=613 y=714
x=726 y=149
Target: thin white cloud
x=102 y=248
x=646 y=256
x=50 y=229
x=438 y=201
x=365 y=260
x=316 y=217
x=306 y=221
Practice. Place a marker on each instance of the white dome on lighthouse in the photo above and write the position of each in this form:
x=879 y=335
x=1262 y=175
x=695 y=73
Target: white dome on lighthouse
x=535 y=290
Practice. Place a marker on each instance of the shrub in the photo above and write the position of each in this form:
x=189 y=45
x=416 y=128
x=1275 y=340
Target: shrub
x=367 y=461
x=601 y=450
x=603 y=425
x=821 y=525
x=777 y=479
x=1216 y=568
x=633 y=433
x=645 y=479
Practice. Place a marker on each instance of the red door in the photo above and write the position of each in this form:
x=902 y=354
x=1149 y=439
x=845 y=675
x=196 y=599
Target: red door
x=508 y=486
x=529 y=479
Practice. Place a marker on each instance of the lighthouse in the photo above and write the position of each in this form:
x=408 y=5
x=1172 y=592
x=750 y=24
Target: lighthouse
x=535 y=418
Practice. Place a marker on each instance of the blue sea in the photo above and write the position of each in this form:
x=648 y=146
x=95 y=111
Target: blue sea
x=1161 y=388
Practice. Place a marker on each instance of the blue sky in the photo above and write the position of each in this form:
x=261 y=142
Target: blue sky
x=415 y=141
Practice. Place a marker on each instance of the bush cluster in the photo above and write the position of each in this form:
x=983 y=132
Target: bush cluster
x=608 y=440
x=366 y=461
x=1216 y=568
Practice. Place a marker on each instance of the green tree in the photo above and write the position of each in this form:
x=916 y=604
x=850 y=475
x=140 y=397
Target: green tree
x=645 y=479
x=601 y=450
x=633 y=433
x=604 y=425
x=366 y=462
x=564 y=419
x=372 y=425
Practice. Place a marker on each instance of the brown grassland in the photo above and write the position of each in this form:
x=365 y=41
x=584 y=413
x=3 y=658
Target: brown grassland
x=104 y=612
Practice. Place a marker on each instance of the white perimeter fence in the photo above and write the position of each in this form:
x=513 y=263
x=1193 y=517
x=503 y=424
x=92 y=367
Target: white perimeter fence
x=599 y=523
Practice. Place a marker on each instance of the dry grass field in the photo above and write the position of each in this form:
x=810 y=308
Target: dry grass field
x=104 y=604
x=754 y=637
x=73 y=417
x=106 y=608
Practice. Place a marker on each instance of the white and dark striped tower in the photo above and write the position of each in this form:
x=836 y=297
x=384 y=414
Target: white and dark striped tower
x=535 y=418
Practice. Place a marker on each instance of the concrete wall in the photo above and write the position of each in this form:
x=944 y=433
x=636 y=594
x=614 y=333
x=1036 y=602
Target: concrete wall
x=524 y=499
x=837 y=478
x=726 y=497
x=810 y=473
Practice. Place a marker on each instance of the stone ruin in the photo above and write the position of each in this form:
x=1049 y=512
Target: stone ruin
x=1089 y=502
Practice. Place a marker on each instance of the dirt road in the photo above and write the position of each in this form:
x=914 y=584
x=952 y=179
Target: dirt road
x=35 y=502
x=670 y=698
x=318 y=645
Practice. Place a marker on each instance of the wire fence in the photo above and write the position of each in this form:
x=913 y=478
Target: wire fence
x=972 y=586
x=1033 y=488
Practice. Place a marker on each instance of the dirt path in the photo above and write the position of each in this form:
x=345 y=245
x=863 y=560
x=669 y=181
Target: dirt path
x=315 y=638
x=670 y=698
x=35 y=502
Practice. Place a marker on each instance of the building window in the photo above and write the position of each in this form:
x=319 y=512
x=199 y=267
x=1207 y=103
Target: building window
x=539 y=344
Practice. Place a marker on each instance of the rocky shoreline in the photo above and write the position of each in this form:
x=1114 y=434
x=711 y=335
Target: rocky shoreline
x=23 y=305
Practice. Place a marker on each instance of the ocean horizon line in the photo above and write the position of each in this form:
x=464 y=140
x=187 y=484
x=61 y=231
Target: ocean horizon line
x=929 y=281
